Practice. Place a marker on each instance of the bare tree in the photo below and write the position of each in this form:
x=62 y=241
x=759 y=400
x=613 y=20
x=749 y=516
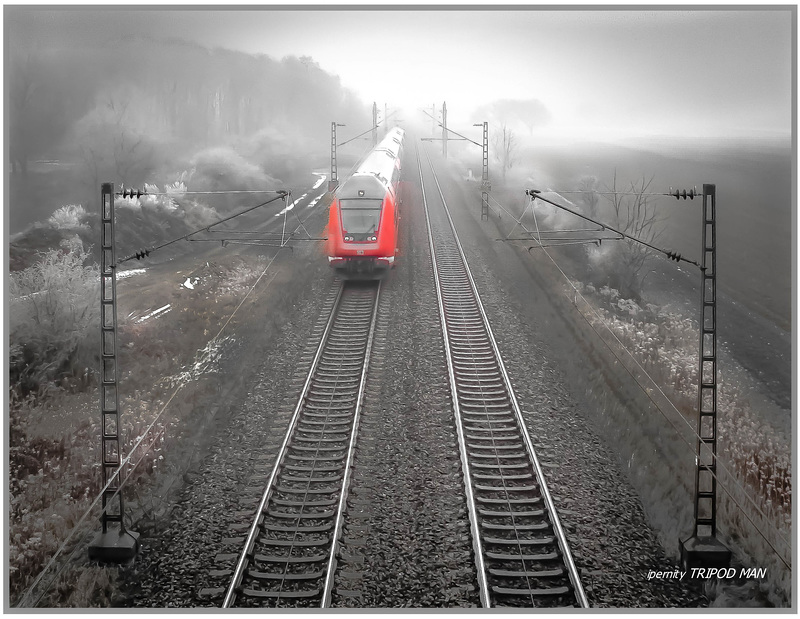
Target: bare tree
x=635 y=214
x=22 y=87
x=589 y=194
x=112 y=144
x=505 y=148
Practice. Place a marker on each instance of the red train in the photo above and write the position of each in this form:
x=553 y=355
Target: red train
x=362 y=221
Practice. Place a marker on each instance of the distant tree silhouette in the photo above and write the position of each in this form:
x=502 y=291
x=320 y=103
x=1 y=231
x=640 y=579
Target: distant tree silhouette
x=505 y=148
x=635 y=214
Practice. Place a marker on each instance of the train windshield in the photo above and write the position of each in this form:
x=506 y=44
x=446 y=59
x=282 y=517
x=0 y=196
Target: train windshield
x=360 y=217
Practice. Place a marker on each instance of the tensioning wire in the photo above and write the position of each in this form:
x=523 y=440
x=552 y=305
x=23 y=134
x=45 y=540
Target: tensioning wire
x=655 y=384
x=127 y=459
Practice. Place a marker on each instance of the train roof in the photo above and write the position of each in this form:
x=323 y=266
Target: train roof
x=383 y=159
x=363 y=186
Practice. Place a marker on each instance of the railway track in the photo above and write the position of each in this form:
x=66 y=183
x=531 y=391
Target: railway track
x=521 y=551
x=289 y=554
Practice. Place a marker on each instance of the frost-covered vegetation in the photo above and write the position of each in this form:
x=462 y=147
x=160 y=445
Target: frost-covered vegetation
x=54 y=309
x=69 y=217
x=754 y=459
x=167 y=117
x=54 y=421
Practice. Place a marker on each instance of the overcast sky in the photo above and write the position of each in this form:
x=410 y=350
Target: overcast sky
x=714 y=72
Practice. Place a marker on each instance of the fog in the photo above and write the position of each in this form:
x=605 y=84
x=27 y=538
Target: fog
x=130 y=107
x=602 y=73
x=219 y=98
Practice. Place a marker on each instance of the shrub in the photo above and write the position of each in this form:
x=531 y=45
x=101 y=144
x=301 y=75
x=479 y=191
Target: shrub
x=69 y=217
x=54 y=311
x=751 y=452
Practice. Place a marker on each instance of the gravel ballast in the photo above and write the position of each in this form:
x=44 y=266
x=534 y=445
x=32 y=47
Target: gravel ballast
x=406 y=536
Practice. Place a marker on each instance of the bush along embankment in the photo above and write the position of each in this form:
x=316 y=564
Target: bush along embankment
x=755 y=486
x=654 y=427
x=54 y=430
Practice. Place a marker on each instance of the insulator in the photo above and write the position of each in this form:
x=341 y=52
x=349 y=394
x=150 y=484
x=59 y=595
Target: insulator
x=133 y=193
x=672 y=255
x=678 y=194
x=142 y=254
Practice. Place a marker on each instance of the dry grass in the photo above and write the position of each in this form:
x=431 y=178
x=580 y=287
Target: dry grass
x=54 y=306
x=54 y=447
x=756 y=460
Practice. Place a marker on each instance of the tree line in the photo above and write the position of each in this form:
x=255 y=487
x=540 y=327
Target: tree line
x=101 y=102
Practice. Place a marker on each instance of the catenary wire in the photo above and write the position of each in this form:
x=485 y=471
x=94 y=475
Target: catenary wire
x=146 y=252
x=535 y=194
x=125 y=461
x=655 y=384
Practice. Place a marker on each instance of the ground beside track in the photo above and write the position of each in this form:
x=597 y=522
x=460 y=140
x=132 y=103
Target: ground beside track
x=408 y=431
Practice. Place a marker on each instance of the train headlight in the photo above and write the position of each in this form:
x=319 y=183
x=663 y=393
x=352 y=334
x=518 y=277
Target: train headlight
x=348 y=238
x=373 y=238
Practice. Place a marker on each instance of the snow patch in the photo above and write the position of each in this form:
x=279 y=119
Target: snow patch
x=305 y=195
x=206 y=361
x=288 y=208
x=321 y=180
x=129 y=273
x=315 y=200
x=158 y=312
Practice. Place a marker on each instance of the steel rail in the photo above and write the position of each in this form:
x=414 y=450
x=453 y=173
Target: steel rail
x=483 y=585
x=328 y=588
x=568 y=559
x=242 y=563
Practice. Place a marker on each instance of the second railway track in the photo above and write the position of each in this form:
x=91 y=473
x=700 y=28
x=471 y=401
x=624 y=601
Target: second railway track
x=521 y=551
x=289 y=554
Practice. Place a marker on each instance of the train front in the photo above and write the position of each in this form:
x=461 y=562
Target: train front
x=361 y=228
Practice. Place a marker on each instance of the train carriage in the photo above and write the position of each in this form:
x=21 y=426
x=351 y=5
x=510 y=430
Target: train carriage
x=363 y=217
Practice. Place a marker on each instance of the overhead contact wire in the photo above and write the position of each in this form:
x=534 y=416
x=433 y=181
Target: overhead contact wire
x=658 y=388
x=536 y=195
x=146 y=252
x=127 y=459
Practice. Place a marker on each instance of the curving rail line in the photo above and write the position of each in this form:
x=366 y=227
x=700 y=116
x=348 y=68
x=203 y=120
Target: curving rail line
x=290 y=551
x=521 y=551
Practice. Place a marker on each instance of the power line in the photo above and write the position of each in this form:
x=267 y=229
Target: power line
x=377 y=124
x=720 y=462
x=138 y=193
x=146 y=252
x=691 y=194
x=30 y=592
x=463 y=137
x=536 y=194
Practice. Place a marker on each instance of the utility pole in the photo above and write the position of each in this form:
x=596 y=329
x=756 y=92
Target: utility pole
x=444 y=129
x=333 y=183
x=486 y=186
x=703 y=549
x=374 y=124
x=111 y=544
